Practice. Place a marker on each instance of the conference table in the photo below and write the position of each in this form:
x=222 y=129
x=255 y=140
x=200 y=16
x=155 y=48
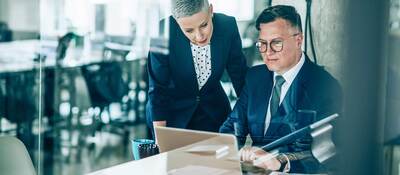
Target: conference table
x=181 y=161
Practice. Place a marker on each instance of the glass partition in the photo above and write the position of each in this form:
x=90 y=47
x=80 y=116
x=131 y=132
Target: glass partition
x=392 y=129
x=20 y=76
x=73 y=78
x=95 y=80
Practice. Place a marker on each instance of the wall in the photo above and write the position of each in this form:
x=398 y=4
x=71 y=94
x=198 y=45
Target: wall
x=21 y=15
x=24 y=15
x=3 y=10
x=327 y=19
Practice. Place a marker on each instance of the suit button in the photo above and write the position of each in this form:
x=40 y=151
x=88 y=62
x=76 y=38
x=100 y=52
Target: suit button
x=198 y=99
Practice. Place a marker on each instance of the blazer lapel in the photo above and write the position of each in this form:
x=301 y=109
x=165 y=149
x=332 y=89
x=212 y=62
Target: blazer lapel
x=184 y=58
x=217 y=46
x=304 y=79
x=264 y=89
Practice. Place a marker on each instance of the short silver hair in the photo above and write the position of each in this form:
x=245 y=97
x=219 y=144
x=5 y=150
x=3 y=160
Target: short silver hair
x=184 y=8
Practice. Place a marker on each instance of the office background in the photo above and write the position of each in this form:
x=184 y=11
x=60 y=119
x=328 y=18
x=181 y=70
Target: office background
x=77 y=106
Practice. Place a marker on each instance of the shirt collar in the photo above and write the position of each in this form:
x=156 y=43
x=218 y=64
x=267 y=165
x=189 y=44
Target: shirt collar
x=291 y=74
x=199 y=47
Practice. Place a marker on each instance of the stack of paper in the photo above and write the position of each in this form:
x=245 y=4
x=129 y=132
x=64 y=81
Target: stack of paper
x=209 y=149
x=197 y=170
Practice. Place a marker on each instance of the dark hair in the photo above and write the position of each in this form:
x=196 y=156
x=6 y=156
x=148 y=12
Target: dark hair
x=285 y=12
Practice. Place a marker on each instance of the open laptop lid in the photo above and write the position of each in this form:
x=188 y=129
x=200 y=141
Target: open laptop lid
x=172 y=138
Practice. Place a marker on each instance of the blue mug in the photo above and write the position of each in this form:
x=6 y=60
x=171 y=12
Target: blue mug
x=142 y=148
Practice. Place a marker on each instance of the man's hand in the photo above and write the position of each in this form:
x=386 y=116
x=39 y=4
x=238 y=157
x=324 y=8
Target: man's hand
x=259 y=158
x=249 y=154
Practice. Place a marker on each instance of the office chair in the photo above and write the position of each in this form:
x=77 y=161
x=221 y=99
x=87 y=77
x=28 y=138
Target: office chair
x=19 y=92
x=14 y=159
x=5 y=32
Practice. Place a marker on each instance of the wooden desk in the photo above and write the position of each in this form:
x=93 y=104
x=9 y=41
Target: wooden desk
x=165 y=162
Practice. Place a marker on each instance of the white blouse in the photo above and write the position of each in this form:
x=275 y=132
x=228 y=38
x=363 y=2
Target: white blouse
x=202 y=63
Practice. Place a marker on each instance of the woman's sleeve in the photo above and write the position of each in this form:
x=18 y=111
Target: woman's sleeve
x=237 y=64
x=160 y=84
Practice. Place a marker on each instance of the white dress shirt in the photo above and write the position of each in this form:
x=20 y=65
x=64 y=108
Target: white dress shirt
x=202 y=63
x=289 y=76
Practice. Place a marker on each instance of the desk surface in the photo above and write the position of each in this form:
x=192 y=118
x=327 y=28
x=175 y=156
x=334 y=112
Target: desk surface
x=168 y=162
x=17 y=56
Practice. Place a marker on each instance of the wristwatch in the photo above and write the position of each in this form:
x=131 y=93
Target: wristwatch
x=283 y=160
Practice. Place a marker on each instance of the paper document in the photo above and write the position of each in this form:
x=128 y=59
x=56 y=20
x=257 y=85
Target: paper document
x=209 y=149
x=234 y=158
x=197 y=170
x=281 y=173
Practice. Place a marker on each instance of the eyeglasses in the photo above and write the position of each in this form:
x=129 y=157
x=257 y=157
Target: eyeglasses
x=276 y=45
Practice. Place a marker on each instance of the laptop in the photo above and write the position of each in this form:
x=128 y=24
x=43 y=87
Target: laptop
x=172 y=138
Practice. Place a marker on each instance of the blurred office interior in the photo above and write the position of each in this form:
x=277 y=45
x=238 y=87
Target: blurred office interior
x=73 y=79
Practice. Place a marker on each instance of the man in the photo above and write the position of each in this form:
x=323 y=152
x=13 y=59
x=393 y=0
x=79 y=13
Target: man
x=184 y=86
x=282 y=95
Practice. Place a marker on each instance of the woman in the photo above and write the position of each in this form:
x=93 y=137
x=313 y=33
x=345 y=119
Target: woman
x=184 y=86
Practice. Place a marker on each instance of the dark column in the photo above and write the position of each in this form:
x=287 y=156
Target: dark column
x=364 y=71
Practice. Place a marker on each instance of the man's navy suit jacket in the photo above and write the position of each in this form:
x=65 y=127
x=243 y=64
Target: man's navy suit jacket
x=173 y=89
x=313 y=89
